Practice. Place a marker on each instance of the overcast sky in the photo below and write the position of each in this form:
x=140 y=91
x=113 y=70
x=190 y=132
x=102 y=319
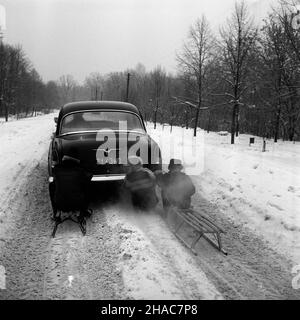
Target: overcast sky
x=82 y=36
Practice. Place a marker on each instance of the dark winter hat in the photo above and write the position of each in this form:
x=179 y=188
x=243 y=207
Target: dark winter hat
x=175 y=163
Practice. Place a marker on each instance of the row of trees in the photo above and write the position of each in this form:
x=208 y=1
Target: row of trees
x=22 y=90
x=247 y=77
x=151 y=91
x=243 y=79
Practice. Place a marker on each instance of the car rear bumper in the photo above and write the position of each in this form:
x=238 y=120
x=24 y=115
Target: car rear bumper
x=101 y=177
x=108 y=177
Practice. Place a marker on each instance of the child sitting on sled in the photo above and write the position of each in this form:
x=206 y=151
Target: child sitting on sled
x=141 y=184
x=177 y=187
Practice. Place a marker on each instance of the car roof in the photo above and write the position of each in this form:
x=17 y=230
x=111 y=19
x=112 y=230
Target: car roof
x=96 y=105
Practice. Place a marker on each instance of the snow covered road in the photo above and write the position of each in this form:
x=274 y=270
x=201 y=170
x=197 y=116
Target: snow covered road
x=124 y=254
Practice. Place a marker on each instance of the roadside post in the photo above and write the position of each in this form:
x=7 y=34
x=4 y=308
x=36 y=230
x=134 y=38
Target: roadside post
x=264 y=146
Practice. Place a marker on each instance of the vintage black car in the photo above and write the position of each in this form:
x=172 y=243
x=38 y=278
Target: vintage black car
x=102 y=135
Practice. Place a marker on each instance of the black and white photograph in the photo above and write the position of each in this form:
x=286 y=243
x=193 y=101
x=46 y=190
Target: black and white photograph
x=149 y=151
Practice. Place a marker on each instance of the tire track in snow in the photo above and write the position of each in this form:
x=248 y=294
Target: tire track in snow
x=70 y=266
x=252 y=268
x=154 y=264
x=25 y=237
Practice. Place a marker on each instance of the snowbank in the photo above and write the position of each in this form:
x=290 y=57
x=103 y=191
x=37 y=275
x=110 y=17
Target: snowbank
x=22 y=145
x=258 y=189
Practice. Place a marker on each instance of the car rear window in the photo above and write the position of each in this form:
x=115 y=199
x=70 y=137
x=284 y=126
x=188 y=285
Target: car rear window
x=97 y=120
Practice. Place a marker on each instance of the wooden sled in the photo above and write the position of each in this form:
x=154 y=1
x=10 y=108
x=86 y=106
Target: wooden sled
x=202 y=225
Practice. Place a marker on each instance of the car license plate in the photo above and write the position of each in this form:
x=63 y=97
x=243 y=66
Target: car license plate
x=108 y=160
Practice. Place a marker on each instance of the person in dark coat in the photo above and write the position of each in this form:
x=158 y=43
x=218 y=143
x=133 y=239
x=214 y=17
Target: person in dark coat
x=71 y=183
x=177 y=187
x=141 y=184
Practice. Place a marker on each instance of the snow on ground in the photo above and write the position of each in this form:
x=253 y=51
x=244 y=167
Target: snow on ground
x=157 y=268
x=255 y=188
x=75 y=267
x=132 y=255
x=22 y=144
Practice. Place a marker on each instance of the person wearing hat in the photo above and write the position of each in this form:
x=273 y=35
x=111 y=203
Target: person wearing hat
x=141 y=184
x=177 y=187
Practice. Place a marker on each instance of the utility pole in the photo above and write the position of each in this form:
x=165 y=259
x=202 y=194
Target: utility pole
x=127 y=90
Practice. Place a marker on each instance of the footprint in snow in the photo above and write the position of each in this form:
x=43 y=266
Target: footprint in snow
x=127 y=256
x=291 y=189
x=275 y=206
x=288 y=227
x=267 y=217
x=127 y=231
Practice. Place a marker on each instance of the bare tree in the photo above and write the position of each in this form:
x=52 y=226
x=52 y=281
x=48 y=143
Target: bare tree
x=67 y=85
x=194 y=58
x=282 y=65
x=237 y=40
x=288 y=15
x=287 y=18
x=12 y=62
x=158 y=81
x=274 y=54
x=140 y=89
x=95 y=83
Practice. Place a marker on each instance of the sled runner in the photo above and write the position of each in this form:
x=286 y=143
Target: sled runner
x=202 y=225
x=59 y=220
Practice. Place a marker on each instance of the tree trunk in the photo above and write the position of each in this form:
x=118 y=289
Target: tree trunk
x=186 y=120
x=197 y=117
x=155 y=116
x=277 y=124
x=208 y=122
x=6 y=112
x=237 y=130
x=233 y=122
x=291 y=130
